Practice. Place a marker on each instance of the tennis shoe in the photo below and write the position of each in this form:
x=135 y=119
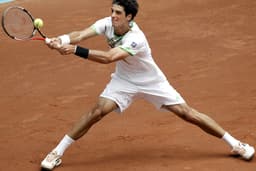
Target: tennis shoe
x=51 y=160
x=244 y=150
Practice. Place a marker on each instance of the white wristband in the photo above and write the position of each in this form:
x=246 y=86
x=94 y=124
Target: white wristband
x=65 y=39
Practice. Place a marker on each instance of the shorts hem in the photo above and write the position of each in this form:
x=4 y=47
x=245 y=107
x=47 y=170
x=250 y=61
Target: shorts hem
x=119 y=109
x=160 y=107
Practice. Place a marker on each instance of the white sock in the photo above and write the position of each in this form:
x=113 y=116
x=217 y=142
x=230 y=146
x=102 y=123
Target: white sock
x=230 y=140
x=63 y=145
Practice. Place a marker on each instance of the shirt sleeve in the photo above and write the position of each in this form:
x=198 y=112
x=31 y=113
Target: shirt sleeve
x=132 y=45
x=101 y=25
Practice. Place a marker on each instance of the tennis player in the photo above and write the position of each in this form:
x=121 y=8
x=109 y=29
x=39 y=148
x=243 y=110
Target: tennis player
x=136 y=76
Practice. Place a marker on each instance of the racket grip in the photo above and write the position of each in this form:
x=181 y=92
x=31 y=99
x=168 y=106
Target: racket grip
x=47 y=40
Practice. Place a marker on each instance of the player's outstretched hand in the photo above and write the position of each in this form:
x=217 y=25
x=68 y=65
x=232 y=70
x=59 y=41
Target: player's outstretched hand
x=67 y=49
x=54 y=43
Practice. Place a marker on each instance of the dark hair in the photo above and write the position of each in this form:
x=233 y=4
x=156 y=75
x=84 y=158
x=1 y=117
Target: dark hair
x=130 y=6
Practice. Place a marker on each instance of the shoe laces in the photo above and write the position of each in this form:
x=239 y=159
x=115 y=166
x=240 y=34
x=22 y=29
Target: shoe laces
x=240 y=148
x=52 y=156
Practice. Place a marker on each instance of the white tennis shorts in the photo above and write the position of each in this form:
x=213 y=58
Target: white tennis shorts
x=123 y=93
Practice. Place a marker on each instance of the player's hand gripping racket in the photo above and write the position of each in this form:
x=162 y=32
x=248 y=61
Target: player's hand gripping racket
x=18 y=24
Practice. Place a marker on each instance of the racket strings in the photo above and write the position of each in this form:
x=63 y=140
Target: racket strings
x=18 y=24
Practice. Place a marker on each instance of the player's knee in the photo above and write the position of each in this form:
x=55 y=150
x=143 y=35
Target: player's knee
x=97 y=114
x=190 y=115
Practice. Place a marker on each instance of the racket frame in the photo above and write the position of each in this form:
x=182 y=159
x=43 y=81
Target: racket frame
x=31 y=37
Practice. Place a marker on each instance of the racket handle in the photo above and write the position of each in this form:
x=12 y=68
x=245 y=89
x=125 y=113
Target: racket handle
x=47 y=40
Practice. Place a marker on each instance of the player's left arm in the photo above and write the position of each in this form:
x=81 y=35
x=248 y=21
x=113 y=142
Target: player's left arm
x=130 y=47
x=99 y=56
x=105 y=57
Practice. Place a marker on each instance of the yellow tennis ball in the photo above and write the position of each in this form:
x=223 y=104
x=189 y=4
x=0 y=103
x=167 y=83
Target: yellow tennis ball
x=38 y=23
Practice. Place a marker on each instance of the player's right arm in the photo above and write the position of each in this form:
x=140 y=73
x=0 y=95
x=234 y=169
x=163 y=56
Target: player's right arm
x=78 y=36
x=99 y=27
x=71 y=38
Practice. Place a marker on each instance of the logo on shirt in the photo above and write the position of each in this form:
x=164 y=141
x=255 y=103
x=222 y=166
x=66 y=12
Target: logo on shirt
x=133 y=44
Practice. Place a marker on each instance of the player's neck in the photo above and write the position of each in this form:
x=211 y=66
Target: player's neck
x=122 y=30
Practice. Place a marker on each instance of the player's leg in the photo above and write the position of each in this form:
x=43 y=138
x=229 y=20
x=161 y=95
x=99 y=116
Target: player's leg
x=211 y=127
x=191 y=115
x=117 y=95
x=163 y=95
x=101 y=109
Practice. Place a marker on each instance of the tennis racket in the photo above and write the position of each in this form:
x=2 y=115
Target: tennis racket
x=18 y=24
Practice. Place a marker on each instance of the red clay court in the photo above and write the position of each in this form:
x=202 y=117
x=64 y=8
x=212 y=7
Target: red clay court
x=207 y=50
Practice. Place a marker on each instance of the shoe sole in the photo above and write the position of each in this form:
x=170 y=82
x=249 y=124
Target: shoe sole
x=58 y=162
x=249 y=158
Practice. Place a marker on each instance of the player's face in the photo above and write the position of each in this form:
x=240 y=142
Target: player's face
x=118 y=16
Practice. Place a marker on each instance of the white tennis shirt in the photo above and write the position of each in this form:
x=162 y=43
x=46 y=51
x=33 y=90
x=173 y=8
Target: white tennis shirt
x=139 y=68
